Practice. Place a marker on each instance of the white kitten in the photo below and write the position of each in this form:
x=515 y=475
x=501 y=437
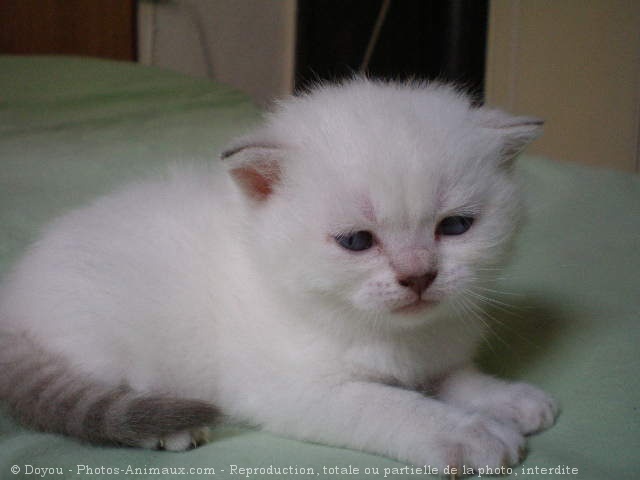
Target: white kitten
x=312 y=290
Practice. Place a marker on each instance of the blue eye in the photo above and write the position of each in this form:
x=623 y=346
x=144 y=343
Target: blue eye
x=357 y=241
x=455 y=225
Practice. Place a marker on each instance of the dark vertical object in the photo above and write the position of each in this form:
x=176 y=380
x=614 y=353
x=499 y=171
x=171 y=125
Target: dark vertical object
x=465 y=43
x=432 y=39
x=97 y=28
x=332 y=36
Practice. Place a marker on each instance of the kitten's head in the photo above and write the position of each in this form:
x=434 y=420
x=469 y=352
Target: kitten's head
x=380 y=198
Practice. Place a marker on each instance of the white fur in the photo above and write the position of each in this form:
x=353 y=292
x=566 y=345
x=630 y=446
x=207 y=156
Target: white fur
x=188 y=286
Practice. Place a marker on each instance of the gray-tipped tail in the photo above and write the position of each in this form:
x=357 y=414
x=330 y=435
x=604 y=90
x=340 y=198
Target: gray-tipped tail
x=42 y=392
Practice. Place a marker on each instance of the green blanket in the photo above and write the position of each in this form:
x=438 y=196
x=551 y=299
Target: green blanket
x=71 y=129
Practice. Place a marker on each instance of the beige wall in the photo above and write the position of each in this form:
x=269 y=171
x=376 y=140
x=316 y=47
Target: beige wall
x=246 y=43
x=575 y=63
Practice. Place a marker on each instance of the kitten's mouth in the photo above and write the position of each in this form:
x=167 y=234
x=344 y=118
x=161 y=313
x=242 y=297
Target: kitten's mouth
x=414 y=307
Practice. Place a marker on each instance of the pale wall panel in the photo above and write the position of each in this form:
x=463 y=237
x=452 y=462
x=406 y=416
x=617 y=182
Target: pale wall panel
x=575 y=63
x=246 y=43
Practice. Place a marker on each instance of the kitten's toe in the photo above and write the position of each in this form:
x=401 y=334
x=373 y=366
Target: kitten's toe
x=480 y=442
x=179 y=441
x=200 y=436
x=528 y=407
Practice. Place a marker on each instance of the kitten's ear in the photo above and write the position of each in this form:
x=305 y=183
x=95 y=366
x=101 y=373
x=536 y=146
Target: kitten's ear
x=255 y=166
x=513 y=132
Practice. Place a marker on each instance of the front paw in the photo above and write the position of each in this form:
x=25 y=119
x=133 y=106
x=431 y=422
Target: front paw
x=478 y=442
x=524 y=405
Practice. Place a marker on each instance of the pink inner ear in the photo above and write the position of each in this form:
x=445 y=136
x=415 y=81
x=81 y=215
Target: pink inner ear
x=257 y=180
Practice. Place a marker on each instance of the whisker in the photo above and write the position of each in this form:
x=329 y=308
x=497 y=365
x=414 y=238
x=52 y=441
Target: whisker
x=506 y=325
x=477 y=312
x=503 y=324
x=511 y=329
x=463 y=316
x=500 y=292
x=497 y=304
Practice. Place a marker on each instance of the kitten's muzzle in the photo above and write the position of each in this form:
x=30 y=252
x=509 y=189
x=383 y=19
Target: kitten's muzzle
x=418 y=283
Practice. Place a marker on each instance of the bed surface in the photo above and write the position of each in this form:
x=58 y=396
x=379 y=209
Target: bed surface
x=72 y=129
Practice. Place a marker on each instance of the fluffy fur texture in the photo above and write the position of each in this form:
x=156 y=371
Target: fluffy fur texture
x=224 y=289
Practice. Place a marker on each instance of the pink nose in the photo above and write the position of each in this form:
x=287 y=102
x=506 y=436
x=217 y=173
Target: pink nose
x=418 y=283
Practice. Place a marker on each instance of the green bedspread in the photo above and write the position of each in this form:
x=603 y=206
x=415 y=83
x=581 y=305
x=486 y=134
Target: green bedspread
x=71 y=129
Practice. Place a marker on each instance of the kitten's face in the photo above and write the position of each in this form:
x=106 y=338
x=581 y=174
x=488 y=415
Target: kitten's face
x=385 y=212
x=398 y=241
